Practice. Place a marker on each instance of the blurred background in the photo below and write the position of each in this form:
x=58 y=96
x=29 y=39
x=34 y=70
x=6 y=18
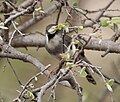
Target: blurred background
x=110 y=63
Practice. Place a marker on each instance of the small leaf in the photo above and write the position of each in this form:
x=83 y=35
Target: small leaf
x=110 y=82
x=82 y=72
x=67 y=30
x=38 y=9
x=36 y=79
x=80 y=27
x=31 y=86
x=75 y=41
x=109 y=87
x=115 y=20
x=66 y=56
x=1 y=23
x=60 y=27
x=75 y=5
x=30 y=95
x=66 y=27
x=70 y=65
x=104 y=23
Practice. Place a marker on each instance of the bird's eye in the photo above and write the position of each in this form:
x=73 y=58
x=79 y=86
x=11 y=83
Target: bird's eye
x=52 y=30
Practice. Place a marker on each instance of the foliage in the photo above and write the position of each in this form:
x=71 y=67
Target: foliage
x=73 y=60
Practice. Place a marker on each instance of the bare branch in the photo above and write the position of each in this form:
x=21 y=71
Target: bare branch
x=28 y=82
x=38 y=40
x=34 y=20
x=64 y=76
x=26 y=3
x=14 y=72
x=103 y=45
x=27 y=10
x=29 y=40
x=100 y=14
x=14 y=54
x=44 y=88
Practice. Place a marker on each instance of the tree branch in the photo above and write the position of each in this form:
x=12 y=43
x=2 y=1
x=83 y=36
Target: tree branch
x=34 y=20
x=14 y=54
x=29 y=40
x=38 y=40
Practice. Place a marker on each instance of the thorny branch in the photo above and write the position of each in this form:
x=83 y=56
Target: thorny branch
x=27 y=10
x=25 y=87
x=30 y=40
x=13 y=40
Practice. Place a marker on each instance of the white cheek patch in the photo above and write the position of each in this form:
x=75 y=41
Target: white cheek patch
x=46 y=39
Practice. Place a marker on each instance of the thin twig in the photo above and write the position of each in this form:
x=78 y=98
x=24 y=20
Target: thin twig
x=14 y=72
x=17 y=28
x=9 y=44
x=100 y=10
x=12 y=5
x=33 y=77
x=27 y=10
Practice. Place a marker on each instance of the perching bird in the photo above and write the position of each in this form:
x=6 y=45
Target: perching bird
x=54 y=45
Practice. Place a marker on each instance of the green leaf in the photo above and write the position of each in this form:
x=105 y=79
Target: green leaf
x=104 y=23
x=2 y=25
x=66 y=56
x=75 y=41
x=115 y=20
x=70 y=65
x=82 y=72
x=31 y=86
x=67 y=30
x=60 y=27
x=39 y=9
x=75 y=5
x=110 y=82
x=109 y=87
x=66 y=27
x=30 y=95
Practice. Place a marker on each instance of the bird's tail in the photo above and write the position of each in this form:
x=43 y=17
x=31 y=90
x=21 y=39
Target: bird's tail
x=90 y=78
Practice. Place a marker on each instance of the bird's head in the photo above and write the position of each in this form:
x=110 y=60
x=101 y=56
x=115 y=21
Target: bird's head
x=52 y=30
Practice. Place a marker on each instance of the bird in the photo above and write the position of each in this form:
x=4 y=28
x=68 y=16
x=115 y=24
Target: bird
x=54 y=45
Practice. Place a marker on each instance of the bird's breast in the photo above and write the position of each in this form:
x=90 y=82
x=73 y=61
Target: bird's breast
x=54 y=46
